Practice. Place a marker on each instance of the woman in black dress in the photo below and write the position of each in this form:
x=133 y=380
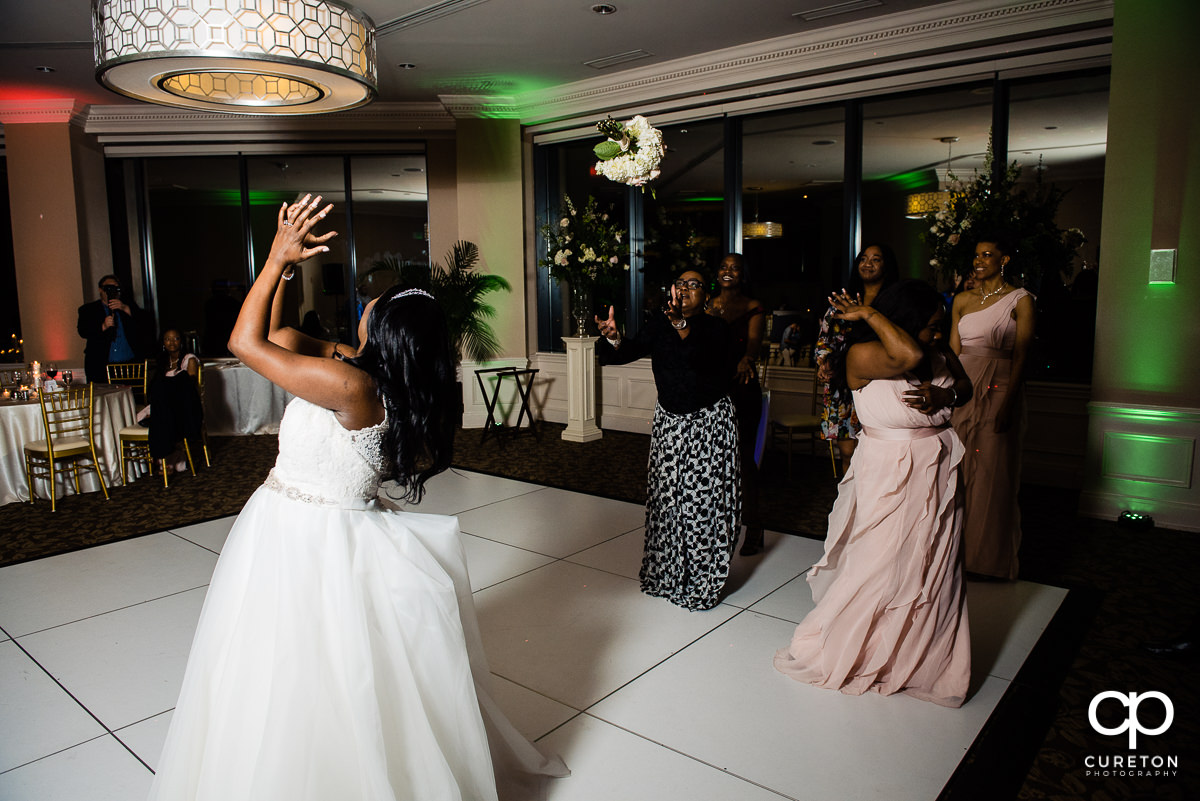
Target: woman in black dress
x=693 y=498
x=176 y=413
x=745 y=317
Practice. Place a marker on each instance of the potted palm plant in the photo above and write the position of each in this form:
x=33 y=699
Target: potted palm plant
x=460 y=290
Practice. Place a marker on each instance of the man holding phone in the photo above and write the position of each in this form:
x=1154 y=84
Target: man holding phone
x=115 y=328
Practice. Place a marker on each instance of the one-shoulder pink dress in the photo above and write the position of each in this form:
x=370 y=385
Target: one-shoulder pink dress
x=992 y=465
x=891 y=611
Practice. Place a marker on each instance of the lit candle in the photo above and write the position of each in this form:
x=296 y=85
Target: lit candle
x=5 y=394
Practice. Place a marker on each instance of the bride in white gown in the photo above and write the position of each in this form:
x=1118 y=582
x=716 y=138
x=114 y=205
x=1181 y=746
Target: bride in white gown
x=338 y=655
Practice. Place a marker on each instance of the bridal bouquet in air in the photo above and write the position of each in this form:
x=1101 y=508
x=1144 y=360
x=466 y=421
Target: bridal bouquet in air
x=631 y=153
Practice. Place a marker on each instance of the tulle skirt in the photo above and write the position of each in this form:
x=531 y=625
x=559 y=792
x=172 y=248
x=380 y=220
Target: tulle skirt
x=338 y=657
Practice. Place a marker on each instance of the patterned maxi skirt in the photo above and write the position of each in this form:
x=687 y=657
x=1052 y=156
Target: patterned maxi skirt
x=693 y=504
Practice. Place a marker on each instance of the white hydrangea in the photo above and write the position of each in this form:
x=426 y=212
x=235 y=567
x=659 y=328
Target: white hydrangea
x=636 y=169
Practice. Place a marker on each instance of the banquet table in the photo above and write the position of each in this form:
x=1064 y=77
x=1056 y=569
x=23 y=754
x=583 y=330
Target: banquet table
x=238 y=400
x=21 y=422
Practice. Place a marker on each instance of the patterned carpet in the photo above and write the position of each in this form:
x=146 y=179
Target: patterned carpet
x=1125 y=587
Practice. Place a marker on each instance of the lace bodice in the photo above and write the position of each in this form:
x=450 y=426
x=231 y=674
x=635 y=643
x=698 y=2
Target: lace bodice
x=321 y=462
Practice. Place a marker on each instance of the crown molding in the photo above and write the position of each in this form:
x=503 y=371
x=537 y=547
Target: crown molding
x=17 y=112
x=113 y=123
x=480 y=107
x=997 y=25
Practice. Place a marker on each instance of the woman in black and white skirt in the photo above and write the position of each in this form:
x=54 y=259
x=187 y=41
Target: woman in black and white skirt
x=693 y=491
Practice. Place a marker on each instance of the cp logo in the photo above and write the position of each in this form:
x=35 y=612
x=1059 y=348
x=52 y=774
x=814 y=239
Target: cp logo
x=1131 y=723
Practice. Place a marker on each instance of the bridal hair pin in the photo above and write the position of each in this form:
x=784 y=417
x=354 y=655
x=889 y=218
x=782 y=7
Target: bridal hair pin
x=404 y=293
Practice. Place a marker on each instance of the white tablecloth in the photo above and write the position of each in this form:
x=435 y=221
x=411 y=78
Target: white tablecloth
x=238 y=400
x=22 y=422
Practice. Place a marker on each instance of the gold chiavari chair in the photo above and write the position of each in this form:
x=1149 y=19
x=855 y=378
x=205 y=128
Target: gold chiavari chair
x=788 y=424
x=69 y=424
x=134 y=374
x=134 y=439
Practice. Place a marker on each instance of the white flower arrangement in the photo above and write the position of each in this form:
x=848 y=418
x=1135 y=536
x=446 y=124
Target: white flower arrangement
x=632 y=152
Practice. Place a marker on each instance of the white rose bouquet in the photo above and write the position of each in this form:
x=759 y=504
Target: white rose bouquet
x=631 y=153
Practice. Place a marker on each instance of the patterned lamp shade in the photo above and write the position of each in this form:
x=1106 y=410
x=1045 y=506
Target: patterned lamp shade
x=762 y=230
x=240 y=56
x=923 y=203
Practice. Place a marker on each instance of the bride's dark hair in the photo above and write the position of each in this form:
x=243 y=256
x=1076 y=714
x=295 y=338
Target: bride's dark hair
x=408 y=354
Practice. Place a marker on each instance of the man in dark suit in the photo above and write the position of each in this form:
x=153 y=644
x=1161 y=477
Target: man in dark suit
x=115 y=328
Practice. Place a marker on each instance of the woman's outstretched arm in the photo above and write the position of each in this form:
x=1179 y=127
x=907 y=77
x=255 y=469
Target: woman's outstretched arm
x=326 y=382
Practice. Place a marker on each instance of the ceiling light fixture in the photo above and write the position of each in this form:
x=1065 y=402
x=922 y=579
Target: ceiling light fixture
x=239 y=56
x=604 y=9
x=920 y=204
x=760 y=230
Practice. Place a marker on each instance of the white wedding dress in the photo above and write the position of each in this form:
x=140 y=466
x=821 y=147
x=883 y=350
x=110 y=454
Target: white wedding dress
x=338 y=655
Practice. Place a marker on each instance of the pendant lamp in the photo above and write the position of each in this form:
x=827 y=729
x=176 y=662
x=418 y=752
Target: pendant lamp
x=239 y=56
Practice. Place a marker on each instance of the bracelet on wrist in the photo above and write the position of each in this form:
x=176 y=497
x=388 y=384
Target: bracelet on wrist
x=289 y=274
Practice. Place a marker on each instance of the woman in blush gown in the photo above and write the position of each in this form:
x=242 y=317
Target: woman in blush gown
x=338 y=655
x=891 y=613
x=992 y=328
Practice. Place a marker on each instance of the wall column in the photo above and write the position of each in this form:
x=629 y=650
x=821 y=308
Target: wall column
x=1144 y=416
x=490 y=214
x=49 y=226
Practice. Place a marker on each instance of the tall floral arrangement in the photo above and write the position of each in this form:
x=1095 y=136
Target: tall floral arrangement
x=587 y=249
x=990 y=205
x=631 y=153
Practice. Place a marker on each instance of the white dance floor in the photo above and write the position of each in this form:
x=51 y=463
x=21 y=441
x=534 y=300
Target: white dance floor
x=642 y=699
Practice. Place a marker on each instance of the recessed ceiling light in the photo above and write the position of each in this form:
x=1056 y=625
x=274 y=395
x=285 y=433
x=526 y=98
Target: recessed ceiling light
x=604 y=9
x=407 y=66
x=44 y=69
x=825 y=142
x=1051 y=128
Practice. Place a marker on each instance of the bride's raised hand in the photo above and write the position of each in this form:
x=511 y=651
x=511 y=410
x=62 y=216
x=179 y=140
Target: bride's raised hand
x=294 y=239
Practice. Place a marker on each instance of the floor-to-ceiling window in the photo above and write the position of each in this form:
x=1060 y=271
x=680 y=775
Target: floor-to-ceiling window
x=197 y=254
x=812 y=184
x=1057 y=134
x=793 y=211
x=209 y=223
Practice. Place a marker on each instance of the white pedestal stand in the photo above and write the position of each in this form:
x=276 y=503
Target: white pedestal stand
x=581 y=390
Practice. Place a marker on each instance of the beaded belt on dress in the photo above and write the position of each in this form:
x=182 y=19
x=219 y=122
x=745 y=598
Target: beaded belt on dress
x=899 y=434
x=296 y=494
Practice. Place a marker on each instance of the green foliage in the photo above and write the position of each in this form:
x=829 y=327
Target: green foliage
x=587 y=248
x=460 y=289
x=986 y=206
x=607 y=149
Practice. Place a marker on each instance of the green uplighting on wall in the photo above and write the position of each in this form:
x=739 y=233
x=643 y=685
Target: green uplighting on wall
x=910 y=181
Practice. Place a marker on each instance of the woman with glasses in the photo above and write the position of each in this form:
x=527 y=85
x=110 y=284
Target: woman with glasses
x=693 y=501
